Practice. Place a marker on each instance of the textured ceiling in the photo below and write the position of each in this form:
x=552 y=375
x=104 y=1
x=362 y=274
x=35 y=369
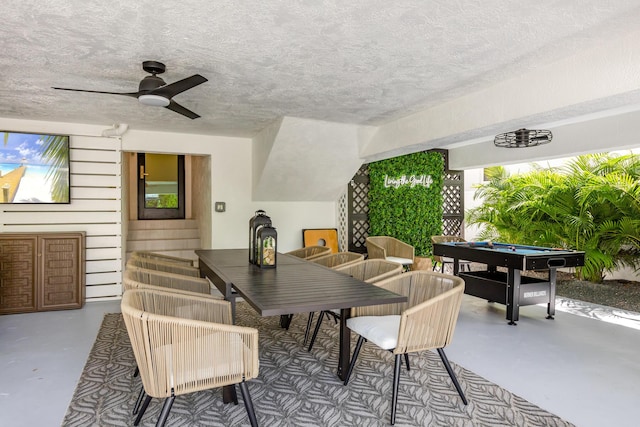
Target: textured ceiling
x=365 y=62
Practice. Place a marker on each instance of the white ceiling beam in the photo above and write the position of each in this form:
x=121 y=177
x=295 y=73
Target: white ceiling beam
x=604 y=77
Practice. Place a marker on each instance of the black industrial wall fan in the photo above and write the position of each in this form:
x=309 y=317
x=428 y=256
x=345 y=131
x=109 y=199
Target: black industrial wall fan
x=154 y=91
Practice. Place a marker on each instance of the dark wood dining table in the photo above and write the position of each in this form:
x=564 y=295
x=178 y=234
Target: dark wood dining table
x=294 y=286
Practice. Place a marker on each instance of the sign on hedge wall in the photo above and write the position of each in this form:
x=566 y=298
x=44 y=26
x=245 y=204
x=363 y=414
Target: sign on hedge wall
x=405 y=199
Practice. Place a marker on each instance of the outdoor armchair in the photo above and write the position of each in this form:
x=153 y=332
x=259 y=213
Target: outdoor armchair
x=391 y=249
x=162 y=257
x=184 y=344
x=426 y=321
x=338 y=259
x=142 y=278
x=311 y=252
x=167 y=266
x=136 y=277
x=370 y=271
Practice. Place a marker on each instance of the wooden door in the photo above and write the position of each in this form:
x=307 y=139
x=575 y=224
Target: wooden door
x=61 y=271
x=18 y=274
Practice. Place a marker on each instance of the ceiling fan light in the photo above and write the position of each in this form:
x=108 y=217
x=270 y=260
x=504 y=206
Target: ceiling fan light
x=154 y=100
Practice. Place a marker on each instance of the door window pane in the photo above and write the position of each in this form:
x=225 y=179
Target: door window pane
x=161 y=181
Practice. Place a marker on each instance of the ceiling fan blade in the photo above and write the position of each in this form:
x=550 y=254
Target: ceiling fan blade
x=174 y=106
x=171 y=90
x=133 y=94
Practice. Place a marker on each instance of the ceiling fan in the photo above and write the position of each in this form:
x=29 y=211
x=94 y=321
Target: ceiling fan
x=155 y=92
x=523 y=138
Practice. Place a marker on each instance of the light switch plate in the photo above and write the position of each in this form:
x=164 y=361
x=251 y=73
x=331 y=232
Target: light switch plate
x=220 y=206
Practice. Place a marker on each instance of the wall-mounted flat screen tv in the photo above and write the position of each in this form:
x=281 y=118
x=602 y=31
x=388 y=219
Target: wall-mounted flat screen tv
x=34 y=168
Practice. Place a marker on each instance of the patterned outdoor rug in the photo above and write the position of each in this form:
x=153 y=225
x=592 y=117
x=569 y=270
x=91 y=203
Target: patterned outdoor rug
x=298 y=388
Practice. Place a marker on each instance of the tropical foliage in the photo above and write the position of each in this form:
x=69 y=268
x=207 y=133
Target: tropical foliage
x=55 y=151
x=590 y=204
x=163 y=201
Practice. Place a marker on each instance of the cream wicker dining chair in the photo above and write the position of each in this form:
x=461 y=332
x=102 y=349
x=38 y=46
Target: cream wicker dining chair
x=443 y=261
x=426 y=321
x=310 y=252
x=391 y=249
x=134 y=277
x=370 y=271
x=168 y=266
x=162 y=257
x=184 y=344
x=339 y=259
x=142 y=278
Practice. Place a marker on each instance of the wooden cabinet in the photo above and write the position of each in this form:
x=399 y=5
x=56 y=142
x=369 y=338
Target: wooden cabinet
x=41 y=272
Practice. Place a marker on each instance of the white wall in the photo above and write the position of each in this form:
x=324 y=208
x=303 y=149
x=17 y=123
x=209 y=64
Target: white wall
x=598 y=135
x=231 y=182
x=603 y=77
x=472 y=177
x=95 y=208
x=305 y=160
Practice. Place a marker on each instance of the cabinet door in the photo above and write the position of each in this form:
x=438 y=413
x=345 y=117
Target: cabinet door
x=18 y=274
x=61 y=272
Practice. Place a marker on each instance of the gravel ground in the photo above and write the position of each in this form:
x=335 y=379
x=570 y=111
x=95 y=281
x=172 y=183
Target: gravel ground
x=623 y=294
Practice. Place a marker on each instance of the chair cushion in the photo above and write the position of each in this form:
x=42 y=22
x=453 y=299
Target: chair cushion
x=403 y=261
x=380 y=330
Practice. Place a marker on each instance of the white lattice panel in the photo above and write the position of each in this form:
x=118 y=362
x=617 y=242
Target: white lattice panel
x=343 y=222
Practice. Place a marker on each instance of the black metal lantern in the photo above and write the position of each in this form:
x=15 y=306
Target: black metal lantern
x=267 y=246
x=260 y=219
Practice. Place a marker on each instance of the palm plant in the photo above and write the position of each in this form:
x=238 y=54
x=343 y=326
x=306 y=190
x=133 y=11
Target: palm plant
x=592 y=204
x=55 y=151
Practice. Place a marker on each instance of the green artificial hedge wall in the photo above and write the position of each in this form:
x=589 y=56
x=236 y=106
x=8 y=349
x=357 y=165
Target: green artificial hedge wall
x=411 y=213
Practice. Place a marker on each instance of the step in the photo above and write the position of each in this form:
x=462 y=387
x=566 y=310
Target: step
x=163 y=234
x=162 y=244
x=186 y=253
x=159 y=224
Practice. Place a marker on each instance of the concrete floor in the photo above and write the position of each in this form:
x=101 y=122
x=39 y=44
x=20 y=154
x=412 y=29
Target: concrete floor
x=583 y=370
